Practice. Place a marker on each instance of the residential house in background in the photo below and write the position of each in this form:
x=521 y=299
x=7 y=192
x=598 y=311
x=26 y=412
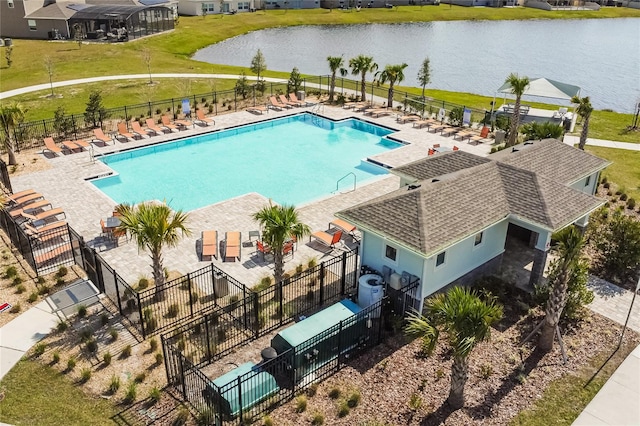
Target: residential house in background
x=450 y=220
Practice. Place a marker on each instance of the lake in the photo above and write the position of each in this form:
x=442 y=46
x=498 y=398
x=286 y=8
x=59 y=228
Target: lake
x=602 y=56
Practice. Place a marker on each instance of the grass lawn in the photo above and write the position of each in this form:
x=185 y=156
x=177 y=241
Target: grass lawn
x=39 y=395
x=564 y=399
x=625 y=170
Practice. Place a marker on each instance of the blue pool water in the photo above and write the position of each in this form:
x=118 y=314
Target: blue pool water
x=290 y=160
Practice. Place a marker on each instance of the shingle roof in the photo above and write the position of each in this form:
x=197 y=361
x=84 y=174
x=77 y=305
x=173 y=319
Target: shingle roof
x=438 y=165
x=552 y=159
x=438 y=214
x=56 y=11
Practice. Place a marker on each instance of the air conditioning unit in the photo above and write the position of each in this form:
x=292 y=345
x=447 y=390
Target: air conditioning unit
x=395 y=281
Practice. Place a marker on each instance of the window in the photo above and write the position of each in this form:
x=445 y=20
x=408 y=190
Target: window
x=440 y=259
x=478 y=239
x=10 y=4
x=207 y=7
x=587 y=181
x=32 y=25
x=243 y=5
x=390 y=253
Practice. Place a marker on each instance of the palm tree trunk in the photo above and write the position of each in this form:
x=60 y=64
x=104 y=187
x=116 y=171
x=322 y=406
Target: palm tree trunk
x=12 y=157
x=363 y=89
x=158 y=274
x=555 y=305
x=458 y=380
x=278 y=271
x=584 y=133
x=515 y=120
x=390 y=95
x=332 y=88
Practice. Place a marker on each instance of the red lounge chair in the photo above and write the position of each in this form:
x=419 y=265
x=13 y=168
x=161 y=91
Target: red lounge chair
x=209 y=245
x=326 y=238
x=51 y=146
x=263 y=249
x=202 y=119
x=100 y=136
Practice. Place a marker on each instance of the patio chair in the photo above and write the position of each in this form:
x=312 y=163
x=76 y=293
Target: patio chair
x=17 y=212
x=99 y=135
x=484 y=133
x=262 y=249
x=202 y=119
x=403 y=119
x=288 y=249
x=343 y=226
x=123 y=131
x=326 y=238
x=71 y=146
x=51 y=146
x=209 y=245
x=30 y=198
x=166 y=122
x=82 y=143
x=42 y=217
x=176 y=124
x=284 y=100
x=13 y=197
x=257 y=109
x=232 y=245
x=424 y=123
x=295 y=99
x=135 y=126
x=151 y=125
x=45 y=233
x=381 y=112
x=277 y=105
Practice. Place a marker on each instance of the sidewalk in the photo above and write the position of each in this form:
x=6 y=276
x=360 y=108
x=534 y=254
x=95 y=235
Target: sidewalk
x=617 y=402
x=18 y=336
x=574 y=140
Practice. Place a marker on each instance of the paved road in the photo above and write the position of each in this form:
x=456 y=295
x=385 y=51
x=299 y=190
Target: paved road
x=573 y=140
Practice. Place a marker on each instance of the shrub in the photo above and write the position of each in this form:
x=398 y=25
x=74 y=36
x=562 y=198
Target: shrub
x=265 y=282
x=132 y=391
x=62 y=271
x=486 y=371
x=415 y=402
x=631 y=203
x=173 y=311
x=604 y=180
x=335 y=393
x=354 y=399
x=21 y=289
x=578 y=294
x=150 y=323
x=221 y=335
x=312 y=390
x=317 y=419
x=39 y=349
x=343 y=409
x=154 y=395
x=606 y=185
x=312 y=262
x=92 y=345
x=62 y=326
x=439 y=374
x=143 y=283
x=44 y=290
x=32 y=297
x=158 y=358
x=16 y=281
x=10 y=272
x=181 y=416
x=82 y=311
x=40 y=280
x=104 y=318
x=299 y=268
x=71 y=363
x=126 y=351
x=267 y=421
x=55 y=358
x=140 y=377
x=15 y=308
x=206 y=417
x=85 y=334
x=106 y=358
x=113 y=333
x=301 y=404
x=623 y=197
x=85 y=375
x=114 y=384
x=153 y=344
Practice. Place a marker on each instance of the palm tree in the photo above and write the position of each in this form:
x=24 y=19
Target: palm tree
x=280 y=224
x=424 y=75
x=10 y=116
x=584 y=109
x=154 y=226
x=518 y=87
x=466 y=319
x=336 y=63
x=362 y=64
x=569 y=251
x=392 y=74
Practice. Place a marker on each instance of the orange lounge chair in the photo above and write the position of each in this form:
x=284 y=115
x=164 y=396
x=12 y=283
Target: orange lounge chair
x=71 y=146
x=29 y=208
x=13 y=197
x=326 y=238
x=295 y=99
x=202 y=119
x=344 y=226
x=232 y=245
x=257 y=109
x=53 y=254
x=278 y=105
x=100 y=136
x=82 y=143
x=51 y=146
x=424 y=123
x=380 y=113
x=284 y=100
x=135 y=126
x=46 y=233
x=209 y=245
x=44 y=215
x=19 y=202
x=123 y=131
x=151 y=125
x=408 y=118
x=166 y=122
x=484 y=133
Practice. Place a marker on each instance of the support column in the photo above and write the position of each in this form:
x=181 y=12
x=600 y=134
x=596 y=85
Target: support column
x=539 y=258
x=582 y=224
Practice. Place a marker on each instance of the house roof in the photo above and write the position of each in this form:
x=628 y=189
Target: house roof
x=439 y=165
x=55 y=11
x=436 y=215
x=93 y=9
x=552 y=159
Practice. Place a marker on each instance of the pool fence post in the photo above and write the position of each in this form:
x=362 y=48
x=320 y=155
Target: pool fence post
x=244 y=306
x=215 y=101
x=343 y=278
x=235 y=100
x=126 y=116
x=144 y=332
x=44 y=124
x=280 y=307
x=115 y=280
x=207 y=333
x=321 y=283
x=173 y=109
x=190 y=294
x=214 y=274
x=256 y=310
x=195 y=102
x=75 y=127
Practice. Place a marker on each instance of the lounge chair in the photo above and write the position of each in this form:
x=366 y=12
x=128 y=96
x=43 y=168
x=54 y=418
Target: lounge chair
x=408 y=118
x=13 y=197
x=51 y=146
x=257 y=109
x=232 y=245
x=42 y=217
x=137 y=129
x=363 y=106
x=380 y=113
x=30 y=198
x=326 y=238
x=447 y=131
x=29 y=208
x=344 y=226
x=82 y=143
x=484 y=133
x=166 y=122
x=278 y=105
x=463 y=134
x=71 y=146
x=350 y=105
x=151 y=125
x=295 y=100
x=284 y=100
x=209 y=245
x=438 y=127
x=100 y=136
x=46 y=233
x=124 y=132
x=424 y=123
x=202 y=119
x=53 y=254
x=177 y=124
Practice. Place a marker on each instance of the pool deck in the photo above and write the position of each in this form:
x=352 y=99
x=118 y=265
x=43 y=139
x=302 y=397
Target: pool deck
x=64 y=185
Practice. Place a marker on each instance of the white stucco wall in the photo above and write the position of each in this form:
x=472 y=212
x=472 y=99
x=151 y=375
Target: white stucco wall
x=591 y=187
x=373 y=255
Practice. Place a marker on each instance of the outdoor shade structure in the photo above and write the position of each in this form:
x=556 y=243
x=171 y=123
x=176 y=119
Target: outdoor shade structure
x=546 y=88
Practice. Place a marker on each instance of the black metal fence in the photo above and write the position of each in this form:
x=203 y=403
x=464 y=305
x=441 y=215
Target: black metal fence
x=31 y=134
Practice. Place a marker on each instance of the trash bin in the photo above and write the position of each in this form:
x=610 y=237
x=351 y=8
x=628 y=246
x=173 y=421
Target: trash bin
x=300 y=94
x=8 y=42
x=500 y=134
x=221 y=285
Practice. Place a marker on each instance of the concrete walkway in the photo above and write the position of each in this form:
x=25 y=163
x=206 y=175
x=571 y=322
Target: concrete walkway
x=18 y=336
x=574 y=140
x=617 y=401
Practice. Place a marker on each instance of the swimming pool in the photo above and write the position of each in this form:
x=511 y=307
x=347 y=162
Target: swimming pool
x=291 y=160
